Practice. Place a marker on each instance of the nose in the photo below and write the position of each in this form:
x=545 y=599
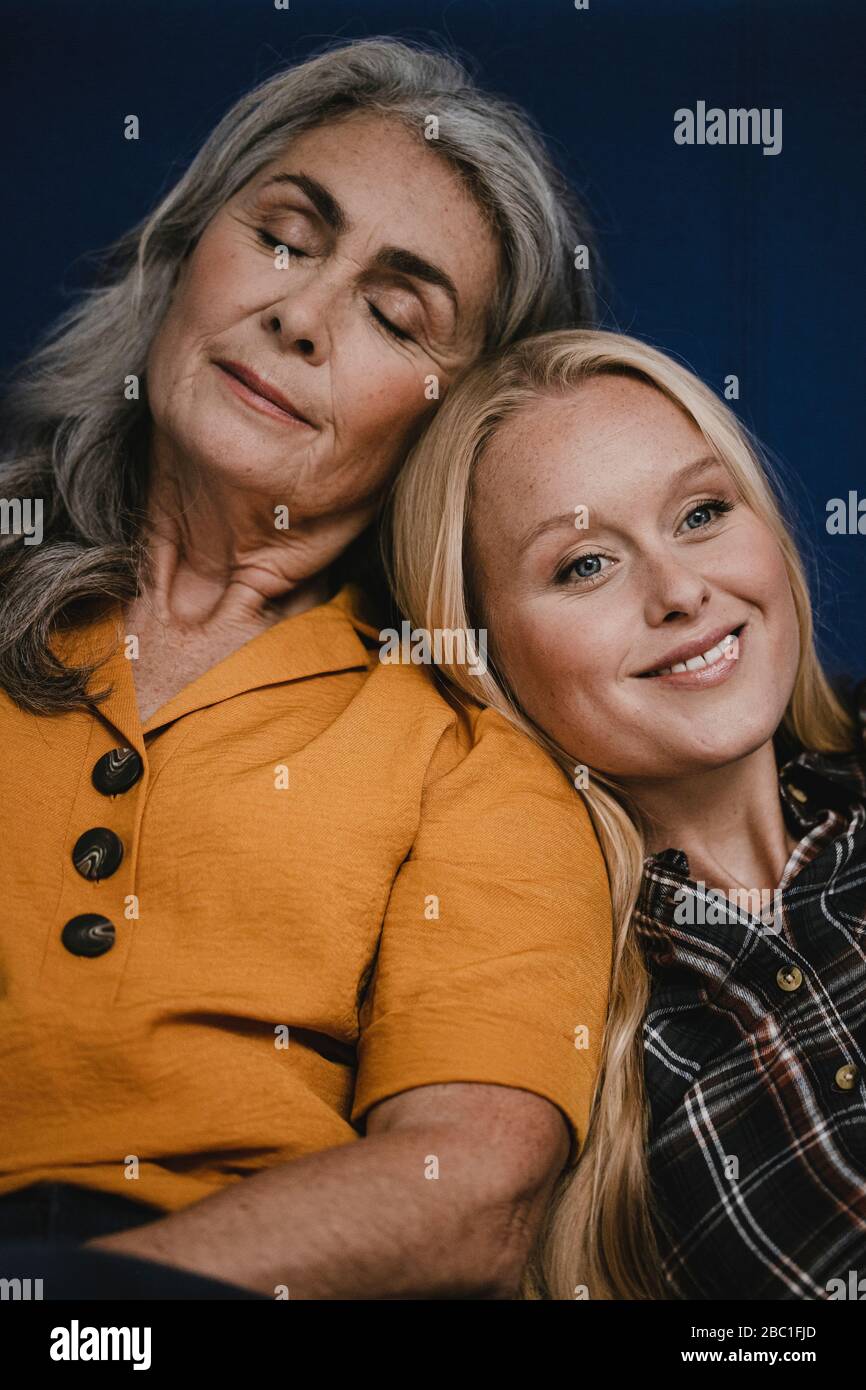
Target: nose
x=673 y=589
x=303 y=318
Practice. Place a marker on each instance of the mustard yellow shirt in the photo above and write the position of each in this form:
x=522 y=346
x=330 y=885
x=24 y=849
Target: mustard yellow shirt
x=331 y=887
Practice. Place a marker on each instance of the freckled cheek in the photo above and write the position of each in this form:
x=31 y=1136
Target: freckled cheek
x=222 y=284
x=213 y=304
x=782 y=617
x=767 y=586
x=547 y=668
x=173 y=370
x=371 y=404
x=177 y=347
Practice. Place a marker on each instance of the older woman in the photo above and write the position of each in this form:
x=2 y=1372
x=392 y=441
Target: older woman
x=267 y=898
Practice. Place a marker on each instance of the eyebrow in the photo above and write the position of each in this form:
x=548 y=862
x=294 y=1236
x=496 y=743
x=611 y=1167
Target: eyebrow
x=396 y=258
x=566 y=519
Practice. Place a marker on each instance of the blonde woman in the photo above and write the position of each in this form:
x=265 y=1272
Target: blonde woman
x=604 y=517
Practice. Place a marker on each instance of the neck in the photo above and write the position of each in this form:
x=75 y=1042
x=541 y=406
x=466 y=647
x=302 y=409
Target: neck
x=729 y=821
x=220 y=553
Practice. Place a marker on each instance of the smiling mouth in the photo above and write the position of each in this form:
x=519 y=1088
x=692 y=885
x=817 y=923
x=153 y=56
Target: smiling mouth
x=247 y=391
x=723 y=653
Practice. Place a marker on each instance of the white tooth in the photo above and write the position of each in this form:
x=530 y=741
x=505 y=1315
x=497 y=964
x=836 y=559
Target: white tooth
x=707 y=658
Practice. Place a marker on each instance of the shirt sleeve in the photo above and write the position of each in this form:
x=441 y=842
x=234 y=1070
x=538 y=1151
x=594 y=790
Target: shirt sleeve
x=495 y=950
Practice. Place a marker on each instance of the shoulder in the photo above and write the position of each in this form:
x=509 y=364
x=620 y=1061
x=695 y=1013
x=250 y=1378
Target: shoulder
x=467 y=735
x=474 y=771
x=490 y=781
x=465 y=731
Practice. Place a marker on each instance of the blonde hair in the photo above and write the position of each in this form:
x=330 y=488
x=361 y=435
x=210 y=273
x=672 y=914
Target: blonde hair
x=599 y=1232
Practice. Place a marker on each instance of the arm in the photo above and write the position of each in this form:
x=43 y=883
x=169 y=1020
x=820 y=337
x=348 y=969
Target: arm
x=363 y=1220
x=467 y=1051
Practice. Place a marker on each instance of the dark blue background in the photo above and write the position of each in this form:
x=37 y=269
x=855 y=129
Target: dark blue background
x=736 y=261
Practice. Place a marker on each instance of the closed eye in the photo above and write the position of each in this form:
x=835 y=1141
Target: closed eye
x=273 y=242
x=388 y=325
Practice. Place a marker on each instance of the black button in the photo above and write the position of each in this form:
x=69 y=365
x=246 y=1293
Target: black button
x=117 y=771
x=674 y=859
x=97 y=853
x=88 y=935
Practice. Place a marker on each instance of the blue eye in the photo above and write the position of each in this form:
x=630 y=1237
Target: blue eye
x=572 y=571
x=586 y=560
x=586 y=568
x=711 y=504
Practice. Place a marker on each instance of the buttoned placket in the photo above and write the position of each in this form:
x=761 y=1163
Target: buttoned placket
x=98 y=909
x=815 y=822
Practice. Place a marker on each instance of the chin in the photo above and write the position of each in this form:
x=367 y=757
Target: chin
x=727 y=746
x=686 y=751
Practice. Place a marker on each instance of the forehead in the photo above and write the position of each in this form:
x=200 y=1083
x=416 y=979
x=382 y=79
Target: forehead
x=605 y=437
x=391 y=182
x=353 y=131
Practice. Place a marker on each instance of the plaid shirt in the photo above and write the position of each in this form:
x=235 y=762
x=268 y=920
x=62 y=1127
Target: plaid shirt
x=755 y=1056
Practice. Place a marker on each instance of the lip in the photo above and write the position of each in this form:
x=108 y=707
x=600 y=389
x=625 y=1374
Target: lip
x=706 y=676
x=259 y=393
x=687 y=650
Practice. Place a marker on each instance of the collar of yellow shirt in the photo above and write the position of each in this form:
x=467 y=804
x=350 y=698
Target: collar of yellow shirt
x=321 y=640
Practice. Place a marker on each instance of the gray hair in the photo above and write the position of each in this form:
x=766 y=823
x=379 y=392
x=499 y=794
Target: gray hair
x=70 y=436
